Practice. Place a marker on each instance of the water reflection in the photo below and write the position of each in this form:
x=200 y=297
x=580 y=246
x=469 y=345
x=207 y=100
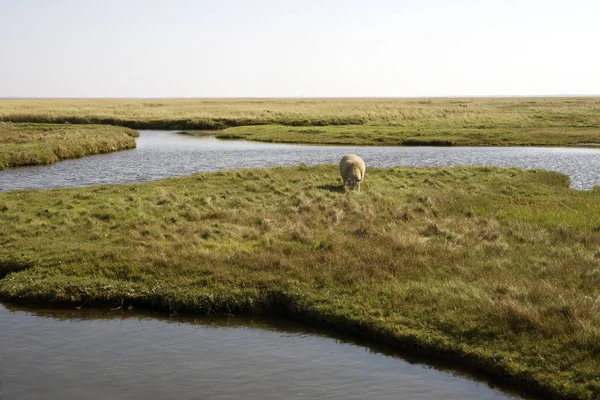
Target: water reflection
x=124 y=355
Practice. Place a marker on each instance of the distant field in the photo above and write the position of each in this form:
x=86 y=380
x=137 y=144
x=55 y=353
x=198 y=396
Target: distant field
x=481 y=121
x=497 y=269
x=36 y=144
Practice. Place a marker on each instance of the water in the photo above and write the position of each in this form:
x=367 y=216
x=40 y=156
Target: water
x=163 y=154
x=101 y=355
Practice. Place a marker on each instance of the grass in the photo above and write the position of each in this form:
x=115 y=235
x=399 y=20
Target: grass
x=415 y=136
x=487 y=121
x=498 y=269
x=36 y=144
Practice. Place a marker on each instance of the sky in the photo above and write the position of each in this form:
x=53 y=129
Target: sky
x=298 y=48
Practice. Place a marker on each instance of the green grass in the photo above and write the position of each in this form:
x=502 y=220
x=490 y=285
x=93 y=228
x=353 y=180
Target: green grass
x=36 y=144
x=415 y=136
x=487 y=121
x=497 y=269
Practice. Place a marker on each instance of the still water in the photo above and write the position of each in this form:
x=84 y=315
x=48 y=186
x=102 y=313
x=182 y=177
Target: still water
x=163 y=154
x=115 y=355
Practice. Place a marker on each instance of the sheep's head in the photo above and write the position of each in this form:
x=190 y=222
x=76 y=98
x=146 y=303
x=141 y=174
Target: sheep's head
x=353 y=182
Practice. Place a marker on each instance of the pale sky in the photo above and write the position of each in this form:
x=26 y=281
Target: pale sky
x=293 y=48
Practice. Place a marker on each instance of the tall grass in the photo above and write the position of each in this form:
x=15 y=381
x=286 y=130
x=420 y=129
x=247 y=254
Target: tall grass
x=493 y=268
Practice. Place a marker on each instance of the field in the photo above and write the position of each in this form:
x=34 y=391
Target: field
x=497 y=269
x=36 y=144
x=486 y=121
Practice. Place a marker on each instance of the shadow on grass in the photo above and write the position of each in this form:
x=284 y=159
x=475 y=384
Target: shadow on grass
x=332 y=188
x=8 y=266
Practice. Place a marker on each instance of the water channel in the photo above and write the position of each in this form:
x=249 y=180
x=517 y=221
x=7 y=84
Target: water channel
x=164 y=154
x=79 y=354
x=96 y=355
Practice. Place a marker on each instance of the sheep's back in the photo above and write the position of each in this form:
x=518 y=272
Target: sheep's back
x=350 y=164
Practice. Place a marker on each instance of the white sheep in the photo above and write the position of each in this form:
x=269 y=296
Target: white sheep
x=352 y=169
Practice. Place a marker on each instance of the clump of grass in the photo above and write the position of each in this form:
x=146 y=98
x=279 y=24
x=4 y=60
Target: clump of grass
x=505 y=281
x=36 y=144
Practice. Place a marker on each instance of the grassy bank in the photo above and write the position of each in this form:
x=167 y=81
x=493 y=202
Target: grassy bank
x=486 y=121
x=36 y=144
x=493 y=268
x=415 y=136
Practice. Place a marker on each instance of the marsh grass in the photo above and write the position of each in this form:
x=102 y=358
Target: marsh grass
x=447 y=135
x=487 y=121
x=36 y=144
x=494 y=268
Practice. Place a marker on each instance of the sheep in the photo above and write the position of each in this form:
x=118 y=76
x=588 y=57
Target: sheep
x=352 y=169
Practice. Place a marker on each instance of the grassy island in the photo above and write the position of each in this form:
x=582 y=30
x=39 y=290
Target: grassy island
x=366 y=135
x=537 y=121
x=37 y=144
x=496 y=269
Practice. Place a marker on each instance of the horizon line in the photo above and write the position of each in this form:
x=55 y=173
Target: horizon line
x=292 y=97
